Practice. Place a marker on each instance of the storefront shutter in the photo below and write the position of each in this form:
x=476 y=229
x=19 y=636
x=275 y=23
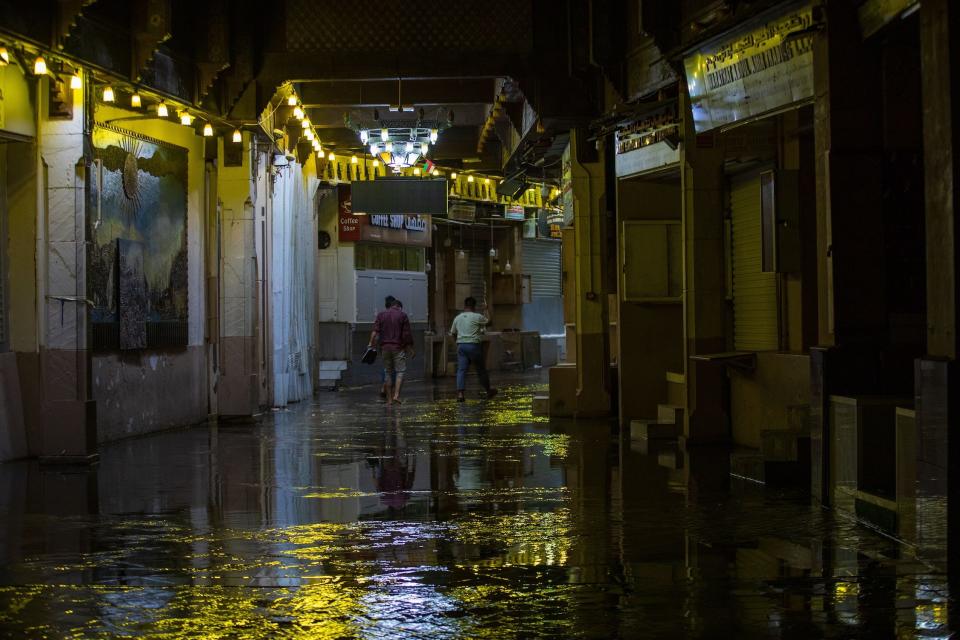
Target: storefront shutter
x=541 y=261
x=754 y=291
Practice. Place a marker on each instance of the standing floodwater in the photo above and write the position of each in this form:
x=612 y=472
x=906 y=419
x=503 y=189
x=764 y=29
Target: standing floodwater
x=435 y=519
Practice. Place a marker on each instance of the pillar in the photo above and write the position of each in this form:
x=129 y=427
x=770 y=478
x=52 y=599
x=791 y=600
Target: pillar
x=937 y=377
x=590 y=265
x=704 y=279
x=852 y=323
x=68 y=413
x=237 y=388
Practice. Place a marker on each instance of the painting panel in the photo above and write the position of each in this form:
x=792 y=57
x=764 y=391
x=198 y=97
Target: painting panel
x=138 y=193
x=132 y=295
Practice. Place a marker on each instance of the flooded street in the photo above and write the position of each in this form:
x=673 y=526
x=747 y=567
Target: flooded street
x=342 y=518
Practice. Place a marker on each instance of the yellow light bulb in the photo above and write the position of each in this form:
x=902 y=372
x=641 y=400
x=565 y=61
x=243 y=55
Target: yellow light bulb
x=331 y=157
x=486 y=181
x=353 y=160
x=376 y=163
x=185 y=118
x=208 y=130
x=469 y=178
x=75 y=81
x=162 y=111
x=40 y=66
x=135 y=100
x=416 y=171
x=108 y=94
x=298 y=113
x=292 y=100
x=453 y=175
x=4 y=55
x=434 y=173
x=308 y=134
x=306 y=123
x=237 y=136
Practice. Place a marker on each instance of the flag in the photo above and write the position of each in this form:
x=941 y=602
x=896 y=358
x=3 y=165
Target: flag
x=428 y=166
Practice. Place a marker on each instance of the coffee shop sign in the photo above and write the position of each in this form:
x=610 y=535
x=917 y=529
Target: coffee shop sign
x=408 y=222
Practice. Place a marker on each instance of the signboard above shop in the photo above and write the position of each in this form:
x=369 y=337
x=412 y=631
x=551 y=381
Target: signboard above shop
x=403 y=229
x=756 y=69
x=401 y=195
x=514 y=212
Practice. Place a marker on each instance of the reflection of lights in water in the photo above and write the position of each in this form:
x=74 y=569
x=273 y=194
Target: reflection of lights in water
x=845 y=596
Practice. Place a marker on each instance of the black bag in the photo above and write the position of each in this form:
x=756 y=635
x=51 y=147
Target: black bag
x=369 y=356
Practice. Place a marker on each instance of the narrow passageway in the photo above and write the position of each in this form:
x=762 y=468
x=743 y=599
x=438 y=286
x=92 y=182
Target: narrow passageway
x=342 y=518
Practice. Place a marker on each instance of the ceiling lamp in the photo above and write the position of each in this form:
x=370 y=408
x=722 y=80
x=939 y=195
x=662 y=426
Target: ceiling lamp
x=453 y=175
x=162 y=111
x=298 y=112
x=135 y=100
x=413 y=136
x=4 y=56
x=75 y=81
x=292 y=100
x=305 y=123
x=237 y=136
x=186 y=119
x=40 y=66
x=469 y=178
x=308 y=134
x=108 y=94
x=208 y=130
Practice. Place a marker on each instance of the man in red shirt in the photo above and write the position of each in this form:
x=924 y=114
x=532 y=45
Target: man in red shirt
x=392 y=328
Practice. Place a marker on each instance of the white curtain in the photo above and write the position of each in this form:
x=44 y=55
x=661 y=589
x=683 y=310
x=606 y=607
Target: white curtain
x=293 y=286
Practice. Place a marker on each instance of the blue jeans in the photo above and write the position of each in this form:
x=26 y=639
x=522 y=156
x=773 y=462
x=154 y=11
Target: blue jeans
x=468 y=354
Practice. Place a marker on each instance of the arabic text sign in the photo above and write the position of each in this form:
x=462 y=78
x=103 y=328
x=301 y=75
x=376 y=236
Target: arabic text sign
x=752 y=71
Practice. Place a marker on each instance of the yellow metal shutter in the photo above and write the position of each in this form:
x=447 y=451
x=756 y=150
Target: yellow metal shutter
x=755 y=325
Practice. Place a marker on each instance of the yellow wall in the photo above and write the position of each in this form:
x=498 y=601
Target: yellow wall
x=17 y=102
x=22 y=244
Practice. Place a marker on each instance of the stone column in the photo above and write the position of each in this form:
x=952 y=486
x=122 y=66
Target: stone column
x=238 y=383
x=937 y=377
x=852 y=324
x=593 y=351
x=704 y=279
x=68 y=414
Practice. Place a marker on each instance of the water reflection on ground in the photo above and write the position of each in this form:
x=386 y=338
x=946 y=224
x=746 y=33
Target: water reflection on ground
x=342 y=518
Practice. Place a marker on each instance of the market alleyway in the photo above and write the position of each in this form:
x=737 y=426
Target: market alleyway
x=341 y=518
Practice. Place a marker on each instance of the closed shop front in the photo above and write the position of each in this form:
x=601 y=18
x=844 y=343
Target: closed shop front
x=755 y=324
x=541 y=261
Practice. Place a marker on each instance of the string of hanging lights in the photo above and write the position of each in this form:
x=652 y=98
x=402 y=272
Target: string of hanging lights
x=64 y=69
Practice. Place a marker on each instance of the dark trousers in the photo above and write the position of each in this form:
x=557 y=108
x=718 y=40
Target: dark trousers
x=468 y=354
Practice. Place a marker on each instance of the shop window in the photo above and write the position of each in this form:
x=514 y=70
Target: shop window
x=414 y=259
x=389 y=258
x=360 y=260
x=652 y=261
x=392 y=258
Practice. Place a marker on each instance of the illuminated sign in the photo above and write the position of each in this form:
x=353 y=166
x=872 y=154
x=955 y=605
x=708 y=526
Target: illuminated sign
x=765 y=65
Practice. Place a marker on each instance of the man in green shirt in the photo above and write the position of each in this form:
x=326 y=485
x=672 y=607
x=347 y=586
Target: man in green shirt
x=468 y=328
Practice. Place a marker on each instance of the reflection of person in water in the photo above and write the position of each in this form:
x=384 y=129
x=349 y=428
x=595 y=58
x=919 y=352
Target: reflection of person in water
x=395 y=468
